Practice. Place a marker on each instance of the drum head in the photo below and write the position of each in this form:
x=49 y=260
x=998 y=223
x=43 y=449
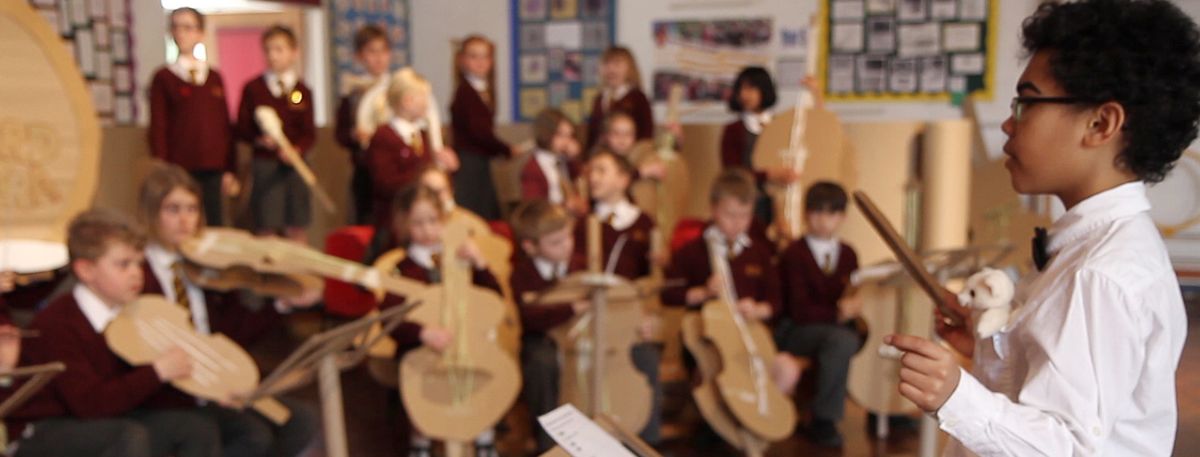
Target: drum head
x=31 y=256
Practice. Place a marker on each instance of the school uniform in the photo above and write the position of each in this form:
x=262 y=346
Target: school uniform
x=243 y=433
x=1086 y=363
x=738 y=140
x=398 y=152
x=544 y=176
x=190 y=127
x=624 y=221
x=751 y=267
x=279 y=198
x=816 y=273
x=472 y=118
x=539 y=353
x=345 y=128
x=100 y=389
x=627 y=99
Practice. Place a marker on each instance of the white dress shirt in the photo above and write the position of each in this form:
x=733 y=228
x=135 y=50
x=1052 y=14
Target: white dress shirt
x=548 y=162
x=405 y=128
x=477 y=83
x=719 y=243
x=1086 y=364
x=161 y=263
x=98 y=313
x=548 y=270
x=825 y=251
x=183 y=66
x=289 y=78
x=623 y=212
x=423 y=255
x=755 y=122
x=611 y=96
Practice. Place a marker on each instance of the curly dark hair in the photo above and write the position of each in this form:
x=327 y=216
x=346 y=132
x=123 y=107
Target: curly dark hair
x=1142 y=54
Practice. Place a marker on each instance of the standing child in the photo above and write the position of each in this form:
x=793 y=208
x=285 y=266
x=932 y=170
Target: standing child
x=189 y=118
x=550 y=173
x=169 y=205
x=621 y=90
x=372 y=50
x=1086 y=364
x=816 y=271
x=400 y=149
x=472 y=114
x=609 y=177
x=279 y=199
x=418 y=218
x=99 y=394
x=545 y=232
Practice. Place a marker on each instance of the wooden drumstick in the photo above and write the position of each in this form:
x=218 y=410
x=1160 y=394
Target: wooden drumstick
x=908 y=258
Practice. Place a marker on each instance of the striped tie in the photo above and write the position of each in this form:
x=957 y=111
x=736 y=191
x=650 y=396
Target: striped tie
x=828 y=266
x=418 y=143
x=181 y=295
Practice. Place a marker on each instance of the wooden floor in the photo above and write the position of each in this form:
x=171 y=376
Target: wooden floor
x=367 y=410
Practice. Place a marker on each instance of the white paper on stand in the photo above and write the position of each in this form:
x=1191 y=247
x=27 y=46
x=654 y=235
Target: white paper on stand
x=580 y=436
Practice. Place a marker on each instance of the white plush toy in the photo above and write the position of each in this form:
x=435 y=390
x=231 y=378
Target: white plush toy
x=989 y=295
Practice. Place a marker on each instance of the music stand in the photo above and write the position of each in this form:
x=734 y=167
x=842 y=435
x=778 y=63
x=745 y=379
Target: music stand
x=610 y=425
x=325 y=355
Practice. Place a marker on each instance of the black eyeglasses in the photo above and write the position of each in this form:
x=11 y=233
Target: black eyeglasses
x=1020 y=103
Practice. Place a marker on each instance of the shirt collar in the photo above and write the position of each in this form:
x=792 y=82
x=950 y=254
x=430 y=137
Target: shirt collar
x=546 y=157
x=289 y=79
x=477 y=83
x=98 y=313
x=159 y=257
x=185 y=63
x=1097 y=211
x=718 y=241
x=549 y=270
x=405 y=127
x=624 y=213
x=617 y=94
x=755 y=122
x=423 y=255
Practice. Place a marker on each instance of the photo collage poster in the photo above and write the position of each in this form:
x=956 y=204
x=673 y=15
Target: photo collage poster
x=705 y=55
x=556 y=54
x=97 y=33
x=880 y=50
x=347 y=16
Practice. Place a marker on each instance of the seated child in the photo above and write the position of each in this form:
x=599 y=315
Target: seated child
x=551 y=171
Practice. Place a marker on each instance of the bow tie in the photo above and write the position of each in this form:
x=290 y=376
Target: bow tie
x=1040 y=240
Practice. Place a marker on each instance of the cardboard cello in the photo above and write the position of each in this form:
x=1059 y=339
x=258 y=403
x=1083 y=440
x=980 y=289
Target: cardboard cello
x=597 y=374
x=464 y=390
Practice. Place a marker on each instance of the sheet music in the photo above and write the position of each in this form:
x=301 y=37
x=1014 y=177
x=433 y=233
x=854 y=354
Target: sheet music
x=579 y=436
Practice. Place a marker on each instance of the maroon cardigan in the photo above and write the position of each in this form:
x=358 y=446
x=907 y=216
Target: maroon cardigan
x=810 y=296
x=346 y=123
x=393 y=165
x=408 y=334
x=734 y=141
x=634 y=260
x=634 y=103
x=533 y=179
x=753 y=271
x=474 y=124
x=298 y=123
x=189 y=124
x=538 y=319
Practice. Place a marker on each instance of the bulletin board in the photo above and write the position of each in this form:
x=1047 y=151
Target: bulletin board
x=97 y=33
x=347 y=16
x=556 y=54
x=908 y=50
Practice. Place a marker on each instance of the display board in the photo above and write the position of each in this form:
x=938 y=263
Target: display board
x=97 y=32
x=905 y=50
x=556 y=54
x=347 y=16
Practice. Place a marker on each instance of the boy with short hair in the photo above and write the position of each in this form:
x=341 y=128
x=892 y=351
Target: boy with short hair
x=189 y=118
x=279 y=199
x=816 y=270
x=98 y=387
x=544 y=232
x=1086 y=365
x=373 y=51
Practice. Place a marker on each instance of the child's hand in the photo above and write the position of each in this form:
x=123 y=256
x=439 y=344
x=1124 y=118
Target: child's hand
x=10 y=347
x=266 y=142
x=470 y=252
x=928 y=374
x=676 y=130
x=714 y=285
x=751 y=309
x=849 y=308
x=648 y=327
x=577 y=205
x=306 y=299
x=173 y=364
x=958 y=337
x=8 y=281
x=363 y=137
x=581 y=306
x=436 y=338
x=447 y=159
x=697 y=295
x=782 y=175
x=229 y=185
x=653 y=169
x=814 y=87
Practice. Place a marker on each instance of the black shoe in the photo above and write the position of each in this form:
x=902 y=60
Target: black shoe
x=824 y=433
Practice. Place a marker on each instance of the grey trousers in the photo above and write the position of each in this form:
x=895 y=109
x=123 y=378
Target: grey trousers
x=159 y=433
x=831 y=346
x=248 y=434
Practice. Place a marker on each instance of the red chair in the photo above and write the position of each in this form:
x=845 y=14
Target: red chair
x=686 y=230
x=341 y=298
